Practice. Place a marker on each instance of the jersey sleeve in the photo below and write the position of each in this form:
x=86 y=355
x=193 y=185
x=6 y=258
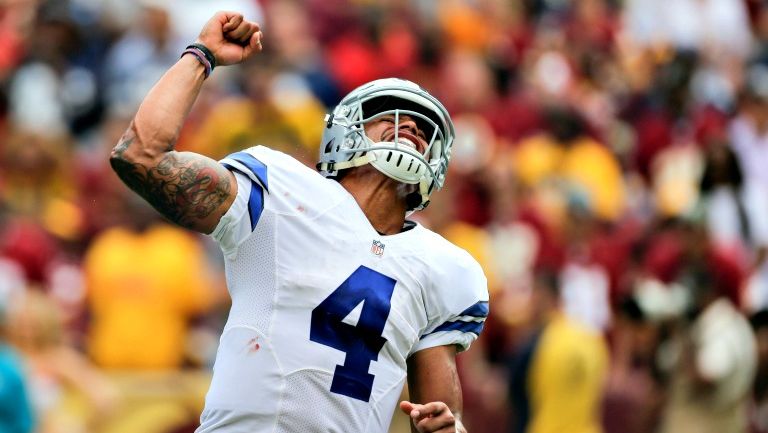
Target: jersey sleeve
x=457 y=304
x=240 y=220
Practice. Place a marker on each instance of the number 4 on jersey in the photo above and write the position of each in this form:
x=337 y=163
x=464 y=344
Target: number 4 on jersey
x=361 y=342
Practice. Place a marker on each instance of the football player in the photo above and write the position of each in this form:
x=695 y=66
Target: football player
x=337 y=298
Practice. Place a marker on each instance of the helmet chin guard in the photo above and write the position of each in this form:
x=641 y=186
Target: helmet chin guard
x=345 y=144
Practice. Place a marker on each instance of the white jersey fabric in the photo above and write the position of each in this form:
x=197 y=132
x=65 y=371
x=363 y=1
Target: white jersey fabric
x=325 y=311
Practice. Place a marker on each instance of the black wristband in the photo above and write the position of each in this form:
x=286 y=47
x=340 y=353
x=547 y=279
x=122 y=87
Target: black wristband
x=208 y=54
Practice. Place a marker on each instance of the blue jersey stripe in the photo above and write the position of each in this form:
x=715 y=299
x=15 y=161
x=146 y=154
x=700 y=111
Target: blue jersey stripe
x=478 y=310
x=473 y=327
x=255 y=200
x=257 y=167
x=255 y=204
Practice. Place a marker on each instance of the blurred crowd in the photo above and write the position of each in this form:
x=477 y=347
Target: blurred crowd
x=610 y=173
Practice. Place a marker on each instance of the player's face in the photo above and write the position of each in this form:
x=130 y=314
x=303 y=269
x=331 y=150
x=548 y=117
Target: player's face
x=409 y=133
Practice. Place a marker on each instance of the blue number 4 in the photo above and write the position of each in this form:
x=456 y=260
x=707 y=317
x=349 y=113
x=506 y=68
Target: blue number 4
x=362 y=342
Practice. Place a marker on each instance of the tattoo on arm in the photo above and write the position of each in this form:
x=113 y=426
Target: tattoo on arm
x=125 y=142
x=184 y=187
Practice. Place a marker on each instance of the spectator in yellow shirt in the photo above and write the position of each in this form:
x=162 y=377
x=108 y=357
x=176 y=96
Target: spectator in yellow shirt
x=557 y=377
x=143 y=289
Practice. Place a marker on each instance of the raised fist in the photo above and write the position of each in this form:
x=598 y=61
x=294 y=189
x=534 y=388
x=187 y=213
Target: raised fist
x=230 y=37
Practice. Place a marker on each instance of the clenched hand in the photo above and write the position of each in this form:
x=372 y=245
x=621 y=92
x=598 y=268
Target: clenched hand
x=230 y=37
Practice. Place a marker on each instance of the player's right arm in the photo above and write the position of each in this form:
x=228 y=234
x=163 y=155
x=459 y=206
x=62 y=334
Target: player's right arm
x=435 y=392
x=189 y=189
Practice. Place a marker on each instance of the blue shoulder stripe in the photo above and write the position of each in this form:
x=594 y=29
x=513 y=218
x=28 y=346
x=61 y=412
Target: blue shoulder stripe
x=256 y=198
x=478 y=310
x=255 y=204
x=473 y=327
x=257 y=167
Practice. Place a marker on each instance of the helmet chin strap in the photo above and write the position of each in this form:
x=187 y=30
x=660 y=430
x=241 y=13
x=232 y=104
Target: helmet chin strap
x=367 y=158
x=413 y=200
x=354 y=162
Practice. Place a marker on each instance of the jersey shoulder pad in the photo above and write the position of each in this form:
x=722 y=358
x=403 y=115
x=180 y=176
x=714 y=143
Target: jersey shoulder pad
x=270 y=182
x=457 y=296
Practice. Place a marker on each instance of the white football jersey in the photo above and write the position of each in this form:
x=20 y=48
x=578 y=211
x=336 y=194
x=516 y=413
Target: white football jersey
x=325 y=310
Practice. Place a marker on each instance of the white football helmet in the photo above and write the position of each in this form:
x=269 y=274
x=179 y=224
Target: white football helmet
x=345 y=144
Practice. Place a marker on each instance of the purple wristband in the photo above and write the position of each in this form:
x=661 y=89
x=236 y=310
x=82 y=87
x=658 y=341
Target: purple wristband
x=200 y=56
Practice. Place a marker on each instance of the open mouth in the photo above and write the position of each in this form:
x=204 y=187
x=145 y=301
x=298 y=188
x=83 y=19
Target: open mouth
x=409 y=140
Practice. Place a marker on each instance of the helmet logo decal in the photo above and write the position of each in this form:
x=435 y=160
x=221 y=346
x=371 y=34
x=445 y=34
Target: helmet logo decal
x=329 y=145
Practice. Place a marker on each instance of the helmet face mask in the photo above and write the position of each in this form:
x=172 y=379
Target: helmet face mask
x=345 y=143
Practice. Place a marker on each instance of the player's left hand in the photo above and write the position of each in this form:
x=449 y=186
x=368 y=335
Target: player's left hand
x=434 y=417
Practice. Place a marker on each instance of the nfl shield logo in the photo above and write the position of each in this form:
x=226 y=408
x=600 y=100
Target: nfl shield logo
x=377 y=248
